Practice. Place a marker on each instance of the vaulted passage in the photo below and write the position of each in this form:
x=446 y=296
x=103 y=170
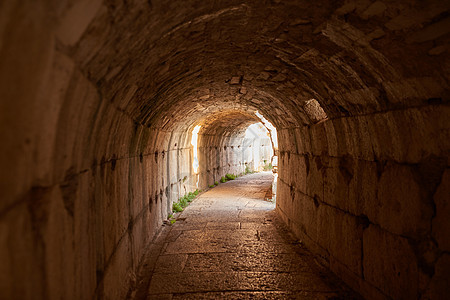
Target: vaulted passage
x=99 y=100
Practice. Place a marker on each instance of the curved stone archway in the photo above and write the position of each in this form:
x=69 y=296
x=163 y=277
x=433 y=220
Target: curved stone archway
x=98 y=102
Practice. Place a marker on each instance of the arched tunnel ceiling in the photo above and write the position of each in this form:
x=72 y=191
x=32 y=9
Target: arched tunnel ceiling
x=226 y=123
x=168 y=64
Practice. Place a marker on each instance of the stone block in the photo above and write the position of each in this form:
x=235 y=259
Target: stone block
x=301 y=181
x=374 y=9
x=390 y=210
x=318 y=139
x=413 y=88
x=235 y=80
x=343 y=136
x=332 y=142
x=323 y=233
x=390 y=264
x=362 y=187
x=346 y=8
x=335 y=185
x=23 y=248
x=385 y=137
x=295 y=208
x=362 y=138
x=263 y=76
x=402 y=21
x=75 y=20
x=314 y=180
x=439 y=284
x=117 y=276
x=437 y=50
x=303 y=140
x=345 y=239
x=60 y=251
x=441 y=222
x=376 y=34
x=279 y=77
x=310 y=218
x=431 y=32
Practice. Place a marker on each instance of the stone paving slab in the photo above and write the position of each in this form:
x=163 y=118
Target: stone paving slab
x=243 y=295
x=162 y=283
x=230 y=245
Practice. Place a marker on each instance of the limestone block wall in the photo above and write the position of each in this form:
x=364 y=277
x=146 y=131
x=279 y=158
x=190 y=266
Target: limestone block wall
x=84 y=187
x=257 y=153
x=367 y=193
x=219 y=155
x=98 y=191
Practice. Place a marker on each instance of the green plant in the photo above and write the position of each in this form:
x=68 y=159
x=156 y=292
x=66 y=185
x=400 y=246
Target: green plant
x=183 y=201
x=211 y=186
x=216 y=183
x=229 y=176
x=268 y=167
x=172 y=221
x=170 y=216
x=247 y=170
x=223 y=180
x=176 y=207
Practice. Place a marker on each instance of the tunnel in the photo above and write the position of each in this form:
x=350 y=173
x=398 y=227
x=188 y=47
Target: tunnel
x=99 y=100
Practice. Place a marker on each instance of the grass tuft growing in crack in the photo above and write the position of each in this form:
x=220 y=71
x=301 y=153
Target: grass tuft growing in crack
x=184 y=201
x=229 y=176
x=248 y=171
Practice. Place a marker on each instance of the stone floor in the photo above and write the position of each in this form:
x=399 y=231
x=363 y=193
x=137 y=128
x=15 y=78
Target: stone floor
x=229 y=244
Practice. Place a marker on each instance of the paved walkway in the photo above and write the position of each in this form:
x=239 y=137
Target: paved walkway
x=229 y=244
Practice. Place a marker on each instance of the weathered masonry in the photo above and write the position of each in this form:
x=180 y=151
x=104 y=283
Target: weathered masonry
x=98 y=100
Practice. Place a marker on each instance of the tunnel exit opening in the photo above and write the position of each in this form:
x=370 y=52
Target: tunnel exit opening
x=194 y=143
x=260 y=154
x=230 y=144
x=258 y=151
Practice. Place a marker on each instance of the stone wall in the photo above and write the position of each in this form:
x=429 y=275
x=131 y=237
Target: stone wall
x=88 y=186
x=220 y=155
x=366 y=194
x=95 y=191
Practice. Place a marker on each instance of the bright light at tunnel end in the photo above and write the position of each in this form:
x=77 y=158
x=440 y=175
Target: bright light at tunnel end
x=194 y=141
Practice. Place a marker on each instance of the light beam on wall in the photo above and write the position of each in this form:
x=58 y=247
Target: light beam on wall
x=271 y=128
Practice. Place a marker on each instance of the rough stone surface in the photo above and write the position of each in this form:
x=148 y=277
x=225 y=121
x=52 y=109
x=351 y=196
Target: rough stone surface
x=229 y=244
x=440 y=224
